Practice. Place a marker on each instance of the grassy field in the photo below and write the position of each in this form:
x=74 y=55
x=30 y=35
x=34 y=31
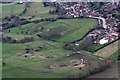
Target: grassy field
x=37 y=67
x=108 y=51
x=11 y=9
x=36 y=64
x=115 y=55
x=37 y=10
x=72 y=29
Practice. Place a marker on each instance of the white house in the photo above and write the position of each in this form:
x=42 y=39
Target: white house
x=103 y=41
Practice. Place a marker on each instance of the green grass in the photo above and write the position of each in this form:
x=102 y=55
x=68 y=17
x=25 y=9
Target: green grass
x=10 y=49
x=115 y=55
x=37 y=68
x=73 y=29
x=11 y=9
x=38 y=10
x=27 y=29
x=24 y=73
x=16 y=36
x=21 y=67
x=94 y=47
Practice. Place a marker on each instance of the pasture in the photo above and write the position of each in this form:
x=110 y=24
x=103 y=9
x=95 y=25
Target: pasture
x=37 y=10
x=44 y=53
x=11 y=9
x=38 y=64
x=71 y=29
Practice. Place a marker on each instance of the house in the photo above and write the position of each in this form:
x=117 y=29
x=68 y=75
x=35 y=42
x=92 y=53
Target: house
x=77 y=44
x=114 y=33
x=21 y=2
x=103 y=41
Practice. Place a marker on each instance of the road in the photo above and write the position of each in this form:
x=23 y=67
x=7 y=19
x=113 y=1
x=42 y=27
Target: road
x=100 y=18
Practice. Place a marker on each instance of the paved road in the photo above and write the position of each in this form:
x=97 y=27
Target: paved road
x=100 y=18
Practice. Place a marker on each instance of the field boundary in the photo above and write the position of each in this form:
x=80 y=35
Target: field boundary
x=108 y=50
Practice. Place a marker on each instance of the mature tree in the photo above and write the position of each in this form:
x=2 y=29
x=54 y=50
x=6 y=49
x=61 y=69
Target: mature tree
x=85 y=43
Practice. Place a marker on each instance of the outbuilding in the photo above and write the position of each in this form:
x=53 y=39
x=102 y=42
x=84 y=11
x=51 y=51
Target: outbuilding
x=103 y=41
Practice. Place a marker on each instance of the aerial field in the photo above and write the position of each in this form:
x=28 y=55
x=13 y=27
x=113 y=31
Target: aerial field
x=44 y=58
x=37 y=10
x=36 y=67
x=71 y=29
x=11 y=9
x=108 y=50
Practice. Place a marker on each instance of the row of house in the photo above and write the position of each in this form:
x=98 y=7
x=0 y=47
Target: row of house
x=23 y=1
x=78 y=10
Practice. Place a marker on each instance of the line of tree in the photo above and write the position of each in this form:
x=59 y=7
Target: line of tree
x=8 y=39
x=13 y=21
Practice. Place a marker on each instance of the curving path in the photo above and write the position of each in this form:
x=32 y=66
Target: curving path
x=100 y=18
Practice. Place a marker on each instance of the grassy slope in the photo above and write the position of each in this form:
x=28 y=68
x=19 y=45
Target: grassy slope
x=38 y=10
x=11 y=9
x=74 y=28
x=115 y=55
x=82 y=26
x=9 y=53
x=36 y=67
x=21 y=66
